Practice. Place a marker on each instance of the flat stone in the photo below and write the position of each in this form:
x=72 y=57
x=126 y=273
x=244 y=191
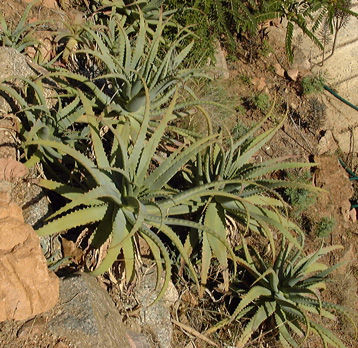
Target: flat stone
x=293 y=74
x=280 y=71
x=353 y=215
x=327 y=144
x=221 y=69
x=87 y=316
x=33 y=327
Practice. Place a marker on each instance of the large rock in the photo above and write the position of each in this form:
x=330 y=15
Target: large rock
x=155 y=317
x=87 y=317
x=27 y=287
x=13 y=63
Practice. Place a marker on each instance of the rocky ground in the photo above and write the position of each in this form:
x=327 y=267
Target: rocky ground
x=85 y=314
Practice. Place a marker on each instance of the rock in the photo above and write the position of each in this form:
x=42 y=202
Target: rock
x=27 y=287
x=10 y=169
x=137 y=340
x=87 y=316
x=259 y=83
x=300 y=60
x=327 y=144
x=293 y=74
x=5 y=192
x=33 y=327
x=353 y=215
x=276 y=36
x=8 y=132
x=280 y=71
x=156 y=317
x=13 y=63
x=221 y=68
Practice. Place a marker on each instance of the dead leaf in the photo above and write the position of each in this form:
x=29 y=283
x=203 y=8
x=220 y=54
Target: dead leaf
x=70 y=249
x=197 y=334
x=10 y=170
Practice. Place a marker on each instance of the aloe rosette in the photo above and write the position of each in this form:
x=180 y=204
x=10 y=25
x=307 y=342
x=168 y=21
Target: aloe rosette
x=128 y=197
x=247 y=194
x=288 y=290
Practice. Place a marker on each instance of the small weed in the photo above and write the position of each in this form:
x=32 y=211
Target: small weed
x=261 y=101
x=271 y=69
x=300 y=199
x=265 y=49
x=325 y=227
x=313 y=84
x=239 y=130
x=19 y=37
x=245 y=79
x=317 y=114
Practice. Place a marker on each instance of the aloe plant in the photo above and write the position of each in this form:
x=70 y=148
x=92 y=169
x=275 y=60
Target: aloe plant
x=123 y=62
x=150 y=9
x=247 y=195
x=45 y=114
x=289 y=291
x=21 y=36
x=127 y=197
x=128 y=63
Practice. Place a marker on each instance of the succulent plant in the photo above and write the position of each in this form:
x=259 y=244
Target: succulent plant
x=287 y=290
x=125 y=195
x=246 y=194
x=21 y=37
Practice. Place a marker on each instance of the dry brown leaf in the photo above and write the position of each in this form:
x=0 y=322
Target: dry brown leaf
x=70 y=249
x=195 y=333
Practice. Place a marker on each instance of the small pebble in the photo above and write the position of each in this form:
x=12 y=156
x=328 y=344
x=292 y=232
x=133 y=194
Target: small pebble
x=61 y=344
x=32 y=327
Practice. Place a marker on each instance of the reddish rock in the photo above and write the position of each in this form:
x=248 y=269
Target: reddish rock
x=10 y=169
x=259 y=83
x=280 y=71
x=353 y=215
x=27 y=287
x=293 y=74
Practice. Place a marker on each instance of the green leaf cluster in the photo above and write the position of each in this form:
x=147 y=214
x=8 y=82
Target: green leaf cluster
x=244 y=192
x=287 y=290
x=124 y=195
x=226 y=20
x=21 y=36
x=109 y=146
